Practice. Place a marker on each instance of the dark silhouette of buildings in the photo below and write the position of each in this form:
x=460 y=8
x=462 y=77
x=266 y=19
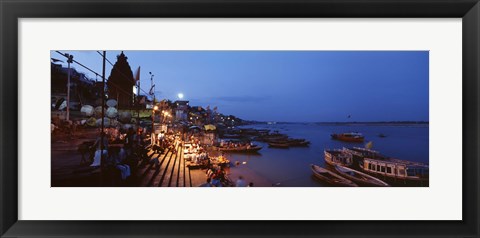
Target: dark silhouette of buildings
x=81 y=88
x=120 y=83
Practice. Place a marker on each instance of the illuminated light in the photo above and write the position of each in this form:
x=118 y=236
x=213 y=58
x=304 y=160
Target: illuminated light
x=180 y=95
x=155 y=108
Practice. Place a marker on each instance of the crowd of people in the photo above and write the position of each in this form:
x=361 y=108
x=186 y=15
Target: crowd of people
x=118 y=153
x=218 y=178
x=195 y=153
x=232 y=144
x=165 y=141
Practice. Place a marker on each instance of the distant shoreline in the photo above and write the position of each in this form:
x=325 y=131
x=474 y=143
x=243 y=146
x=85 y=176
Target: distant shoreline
x=348 y=123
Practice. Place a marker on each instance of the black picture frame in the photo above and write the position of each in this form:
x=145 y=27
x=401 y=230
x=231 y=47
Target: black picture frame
x=11 y=11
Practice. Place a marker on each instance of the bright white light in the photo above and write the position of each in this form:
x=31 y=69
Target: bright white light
x=180 y=95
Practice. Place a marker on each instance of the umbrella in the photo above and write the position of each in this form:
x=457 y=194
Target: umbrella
x=194 y=127
x=210 y=127
x=111 y=103
x=87 y=110
x=125 y=116
x=111 y=112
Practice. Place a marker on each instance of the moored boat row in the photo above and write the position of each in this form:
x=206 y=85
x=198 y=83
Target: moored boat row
x=286 y=143
x=330 y=177
x=239 y=148
x=346 y=177
x=351 y=161
x=359 y=177
x=349 y=137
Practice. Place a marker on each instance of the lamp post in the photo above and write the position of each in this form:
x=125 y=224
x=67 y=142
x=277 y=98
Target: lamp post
x=69 y=61
x=152 y=92
x=152 y=86
x=153 y=124
x=162 y=117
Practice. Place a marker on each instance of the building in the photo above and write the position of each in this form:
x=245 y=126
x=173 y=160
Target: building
x=181 y=110
x=82 y=89
x=121 y=83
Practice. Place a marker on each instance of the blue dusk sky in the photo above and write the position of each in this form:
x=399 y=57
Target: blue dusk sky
x=288 y=86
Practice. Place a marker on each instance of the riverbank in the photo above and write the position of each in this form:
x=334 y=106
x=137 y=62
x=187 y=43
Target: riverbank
x=167 y=169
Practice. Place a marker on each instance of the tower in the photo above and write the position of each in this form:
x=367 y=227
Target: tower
x=120 y=83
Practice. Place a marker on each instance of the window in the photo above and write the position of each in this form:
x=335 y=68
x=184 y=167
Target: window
x=389 y=170
x=383 y=169
x=401 y=172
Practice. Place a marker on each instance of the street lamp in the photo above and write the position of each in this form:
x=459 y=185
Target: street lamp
x=69 y=61
x=153 y=137
x=165 y=115
x=152 y=86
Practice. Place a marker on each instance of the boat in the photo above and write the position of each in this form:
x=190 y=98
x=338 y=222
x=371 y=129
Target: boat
x=240 y=149
x=401 y=172
x=278 y=145
x=396 y=170
x=273 y=137
x=338 y=157
x=298 y=142
x=288 y=142
x=359 y=177
x=349 y=137
x=361 y=153
x=330 y=177
x=221 y=161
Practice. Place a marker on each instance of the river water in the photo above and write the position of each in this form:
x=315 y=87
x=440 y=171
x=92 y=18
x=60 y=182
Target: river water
x=290 y=167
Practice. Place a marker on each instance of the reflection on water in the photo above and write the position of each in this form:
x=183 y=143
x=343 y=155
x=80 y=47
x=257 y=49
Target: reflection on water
x=290 y=167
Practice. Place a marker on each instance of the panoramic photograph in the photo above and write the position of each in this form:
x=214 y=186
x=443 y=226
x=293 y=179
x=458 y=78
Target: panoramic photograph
x=193 y=118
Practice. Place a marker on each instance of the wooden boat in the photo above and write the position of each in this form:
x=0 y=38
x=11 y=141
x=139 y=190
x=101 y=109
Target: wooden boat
x=241 y=149
x=359 y=177
x=278 y=145
x=338 y=157
x=285 y=143
x=330 y=177
x=349 y=137
x=299 y=143
x=275 y=139
x=396 y=170
x=272 y=137
x=220 y=161
x=362 y=153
